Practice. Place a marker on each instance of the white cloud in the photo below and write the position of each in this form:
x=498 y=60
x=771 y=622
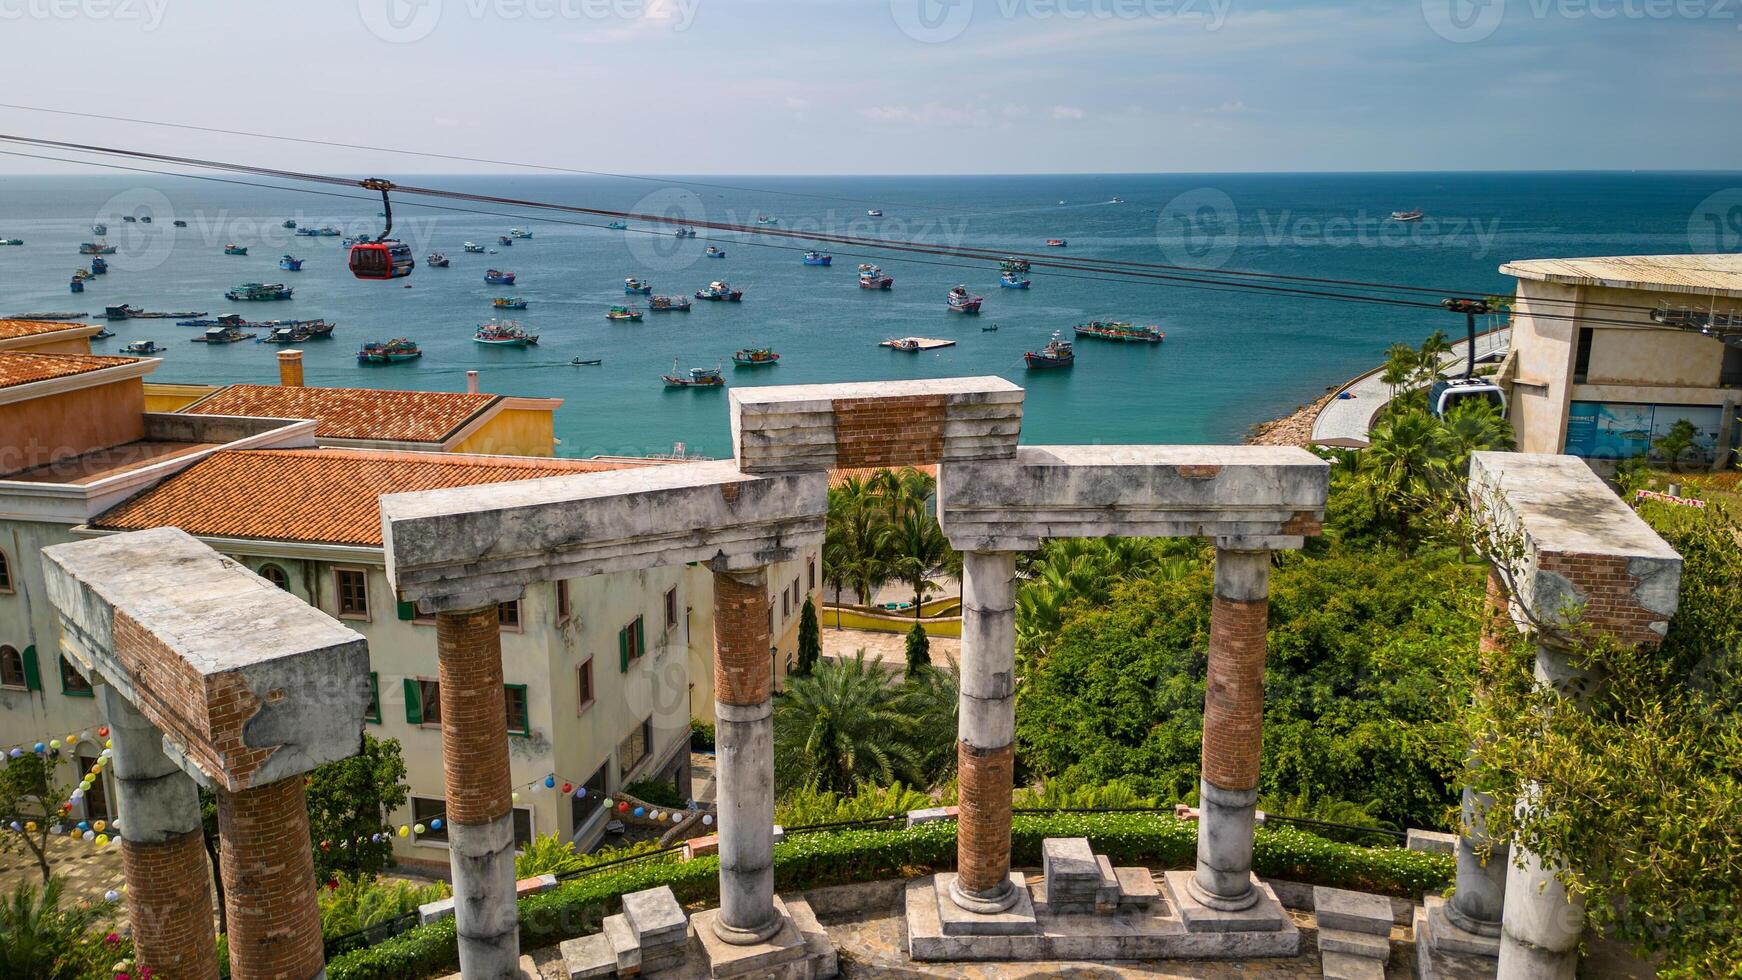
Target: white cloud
x=1067 y=112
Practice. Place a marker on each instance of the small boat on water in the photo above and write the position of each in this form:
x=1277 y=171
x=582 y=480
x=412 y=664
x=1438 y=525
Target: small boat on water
x=505 y=333
x=763 y=219
x=1011 y=280
x=290 y=263
x=222 y=335
x=103 y=334
x=99 y=267
x=128 y=218
x=719 y=291
x=288 y=334
x=508 y=303
x=289 y=223
x=714 y=252
x=685 y=233
x=93 y=248
x=519 y=233
x=179 y=223
x=755 y=357
x=145 y=219
x=1411 y=215
x=871 y=277
x=259 y=291
x=143 y=346
x=437 y=260
x=962 y=301
x=1056 y=354
x=669 y=304
x=393 y=352
x=1014 y=265
x=504 y=241
x=874 y=213
x=235 y=250
x=817 y=258
x=628 y=313
x=618 y=226
x=99 y=229
x=11 y=241
x=694 y=378
x=1056 y=243
x=1117 y=200
x=321 y=232
x=496 y=277
x=1126 y=333
x=588 y=360
x=909 y=344
x=989 y=329
x=637 y=287
x=77 y=284
x=473 y=247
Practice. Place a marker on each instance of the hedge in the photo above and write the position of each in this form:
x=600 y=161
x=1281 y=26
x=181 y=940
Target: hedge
x=803 y=861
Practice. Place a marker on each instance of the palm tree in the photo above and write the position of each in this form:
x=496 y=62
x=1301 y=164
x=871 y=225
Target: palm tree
x=1433 y=350
x=1404 y=461
x=844 y=725
x=915 y=545
x=1473 y=426
x=855 y=511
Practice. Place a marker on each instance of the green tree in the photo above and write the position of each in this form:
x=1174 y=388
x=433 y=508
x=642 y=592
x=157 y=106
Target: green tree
x=810 y=640
x=40 y=940
x=846 y=724
x=918 y=650
x=348 y=802
x=1674 y=444
x=1402 y=466
x=915 y=546
x=30 y=797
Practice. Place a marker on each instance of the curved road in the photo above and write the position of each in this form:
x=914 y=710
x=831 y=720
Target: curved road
x=1346 y=417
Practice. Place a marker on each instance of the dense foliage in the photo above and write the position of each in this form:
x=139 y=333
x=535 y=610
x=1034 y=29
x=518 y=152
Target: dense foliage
x=348 y=804
x=28 y=795
x=850 y=722
x=42 y=940
x=880 y=529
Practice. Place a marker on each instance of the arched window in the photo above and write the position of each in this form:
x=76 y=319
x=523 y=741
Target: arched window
x=275 y=575
x=5 y=573
x=12 y=673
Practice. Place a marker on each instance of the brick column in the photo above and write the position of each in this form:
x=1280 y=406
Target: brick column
x=744 y=743
x=269 y=883
x=163 y=852
x=1480 y=896
x=1233 y=721
x=985 y=752
x=479 y=806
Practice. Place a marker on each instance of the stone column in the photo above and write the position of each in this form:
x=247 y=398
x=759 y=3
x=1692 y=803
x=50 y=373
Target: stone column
x=987 y=730
x=479 y=807
x=744 y=746
x=1233 y=720
x=163 y=852
x=1481 y=890
x=269 y=883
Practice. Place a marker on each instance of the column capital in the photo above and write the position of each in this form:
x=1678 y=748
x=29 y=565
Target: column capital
x=456 y=603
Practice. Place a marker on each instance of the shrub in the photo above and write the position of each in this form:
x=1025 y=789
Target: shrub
x=809 y=805
x=701 y=736
x=360 y=901
x=659 y=792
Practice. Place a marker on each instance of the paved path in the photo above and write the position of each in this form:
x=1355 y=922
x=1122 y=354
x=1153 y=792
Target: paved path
x=1344 y=421
x=888 y=649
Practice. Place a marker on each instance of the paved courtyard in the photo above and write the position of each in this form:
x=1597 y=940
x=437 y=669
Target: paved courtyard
x=888 y=649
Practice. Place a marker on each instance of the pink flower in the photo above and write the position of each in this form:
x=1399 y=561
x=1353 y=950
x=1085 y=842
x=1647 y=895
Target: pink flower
x=111 y=939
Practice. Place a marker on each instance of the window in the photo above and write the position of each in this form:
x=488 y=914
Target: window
x=508 y=615
x=522 y=827
x=584 y=686
x=12 y=675
x=671 y=608
x=634 y=748
x=423 y=701
x=795 y=592
x=514 y=698
x=423 y=811
x=5 y=573
x=374 y=714
x=1582 y=357
x=785 y=604
x=812 y=564
x=275 y=575
x=73 y=683
x=563 y=609
x=582 y=808
x=352 y=585
x=631 y=642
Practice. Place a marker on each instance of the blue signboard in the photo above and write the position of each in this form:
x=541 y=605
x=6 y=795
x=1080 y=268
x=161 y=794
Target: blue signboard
x=1618 y=430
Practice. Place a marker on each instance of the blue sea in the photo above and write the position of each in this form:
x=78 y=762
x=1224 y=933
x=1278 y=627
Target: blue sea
x=1231 y=358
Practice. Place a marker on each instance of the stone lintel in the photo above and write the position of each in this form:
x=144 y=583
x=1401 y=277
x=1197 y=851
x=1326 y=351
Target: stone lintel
x=475 y=540
x=783 y=428
x=1575 y=550
x=247 y=683
x=1251 y=497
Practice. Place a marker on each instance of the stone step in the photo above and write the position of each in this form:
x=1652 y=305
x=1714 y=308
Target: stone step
x=655 y=916
x=1338 y=908
x=1137 y=888
x=1107 y=892
x=622 y=939
x=1354 y=943
x=589 y=956
x=1343 y=966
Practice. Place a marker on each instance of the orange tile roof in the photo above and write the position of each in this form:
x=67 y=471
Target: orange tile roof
x=352 y=413
x=323 y=496
x=30 y=328
x=21 y=367
x=840 y=476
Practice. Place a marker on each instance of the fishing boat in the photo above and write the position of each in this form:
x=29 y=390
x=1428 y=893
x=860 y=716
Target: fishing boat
x=1125 y=333
x=290 y=263
x=989 y=329
x=669 y=304
x=145 y=219
x=99 y=267
x=289 y=223
x=103 y=334
x=99 y=229
x=295 y=331
x=496 y=277
x=714 y=252
x=179 y=223
x=504 y=241
x=817 y=258
x=222 y=335
x=519 y=233
x=874 y=213
x=755 y=357
x=685 y=233
x=259 y=291
x=719 y=291
x=962 y=301
x=763 y=219
x=508 y=303
x=1011 y=280
x=322 y=232
x=1014 y=265
x=1411 y=215
x=143 y=347
x=618 y=226
x=286 y=335
x=505 y=333
x=694 y=378
x=473 y=247
x=393 y=352
x=909 y=344
x=1056 y=354
x=93 y=248
x=437 y=260
x=11 y=241
x=637 y=287
x=871 y=277
x=628 y=313
x=235 y=250
x=1117 y=200
x=77 y=284
x=1056 y=243
x=587 y=360
x=128 y=218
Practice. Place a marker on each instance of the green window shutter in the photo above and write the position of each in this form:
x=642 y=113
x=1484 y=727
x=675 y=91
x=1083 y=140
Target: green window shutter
x=407 y=610
x=413 y=702
x=623 y=650
x=32 y=677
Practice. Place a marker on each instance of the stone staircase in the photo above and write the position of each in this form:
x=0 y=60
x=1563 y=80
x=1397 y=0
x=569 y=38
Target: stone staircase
x=1081 y=882
x=1354 y=933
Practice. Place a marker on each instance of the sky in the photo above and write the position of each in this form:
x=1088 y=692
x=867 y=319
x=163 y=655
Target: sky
x=891 y=86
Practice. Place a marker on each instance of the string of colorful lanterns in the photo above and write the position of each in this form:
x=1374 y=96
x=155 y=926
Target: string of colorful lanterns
x=95 y=832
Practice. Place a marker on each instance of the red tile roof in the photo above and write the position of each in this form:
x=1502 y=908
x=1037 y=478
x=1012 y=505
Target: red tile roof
x=323 y=496
x=20 y=367
x=352 y=413
x=10 y=329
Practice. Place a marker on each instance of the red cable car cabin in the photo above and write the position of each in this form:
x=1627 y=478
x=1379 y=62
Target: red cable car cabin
x=381 y=260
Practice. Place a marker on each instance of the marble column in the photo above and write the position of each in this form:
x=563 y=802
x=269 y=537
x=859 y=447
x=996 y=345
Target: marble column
x=1233 y=721
x=479 y=808
x=744 y=747
x=986 y=733
x=163 y=851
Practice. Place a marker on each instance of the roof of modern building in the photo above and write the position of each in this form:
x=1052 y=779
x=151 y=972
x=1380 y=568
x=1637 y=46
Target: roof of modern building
x=12 y=328
x=1706 y=275
x=24 y=367
x=321 y=496
x=353 y=413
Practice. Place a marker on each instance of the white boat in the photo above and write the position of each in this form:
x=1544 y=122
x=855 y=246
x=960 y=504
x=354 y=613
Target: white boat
x=874 y=213
x=473 y=247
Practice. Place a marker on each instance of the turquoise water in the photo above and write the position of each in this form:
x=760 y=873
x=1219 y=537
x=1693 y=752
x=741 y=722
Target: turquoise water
x=1230 y=359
